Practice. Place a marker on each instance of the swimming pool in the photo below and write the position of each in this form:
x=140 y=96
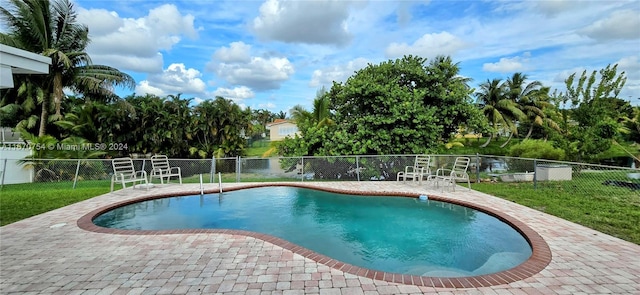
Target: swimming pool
x=390 y=234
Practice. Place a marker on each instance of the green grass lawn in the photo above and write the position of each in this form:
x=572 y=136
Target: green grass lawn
x=584 y=200
x=611 y=210
x=20 y=201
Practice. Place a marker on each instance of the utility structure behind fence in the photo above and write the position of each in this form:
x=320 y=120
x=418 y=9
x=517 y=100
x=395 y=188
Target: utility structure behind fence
x=537 y=173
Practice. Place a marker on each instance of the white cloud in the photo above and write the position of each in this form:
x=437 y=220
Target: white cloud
x=508 y=65
x=630 y=65
x=143 y=87
x=268 y=105
x=236 y=52
x=136 y=41
x=312 y=22
x=338 y=73
x=149 y=64
x=621 y=24
x=236 y=94
x=175 y=79
x=429 y=45
x=563 y=75
x=100 y=21
x=258 y=73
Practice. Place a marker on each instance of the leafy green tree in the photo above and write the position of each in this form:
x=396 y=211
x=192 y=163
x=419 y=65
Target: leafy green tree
x=400 y=106
x=450 y=93
x=381 y=110
x=595 y=111
x=218 y=128
x=177 y=117
x=50 y=28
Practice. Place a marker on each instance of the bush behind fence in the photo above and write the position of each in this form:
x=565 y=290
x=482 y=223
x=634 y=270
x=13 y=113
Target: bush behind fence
x=539 y=174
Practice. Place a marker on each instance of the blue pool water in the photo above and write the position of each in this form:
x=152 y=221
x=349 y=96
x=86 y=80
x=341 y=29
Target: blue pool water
x=392 y=234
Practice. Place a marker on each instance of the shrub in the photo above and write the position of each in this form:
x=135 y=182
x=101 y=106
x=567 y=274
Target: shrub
x=536 y=149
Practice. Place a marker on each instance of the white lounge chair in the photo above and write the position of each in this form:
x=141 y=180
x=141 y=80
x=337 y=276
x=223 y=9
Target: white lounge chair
x=420 y=170
x=124 y=172
x=161 y=169
x=450 y=176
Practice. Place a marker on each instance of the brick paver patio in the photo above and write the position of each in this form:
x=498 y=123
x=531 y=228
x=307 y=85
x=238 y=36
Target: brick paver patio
x=51 y=254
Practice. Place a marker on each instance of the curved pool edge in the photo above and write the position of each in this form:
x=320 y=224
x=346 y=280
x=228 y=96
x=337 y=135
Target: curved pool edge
x=540 y=257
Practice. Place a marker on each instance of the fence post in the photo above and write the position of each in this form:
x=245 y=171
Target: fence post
x=302 y=170
x=358 y=167
x=4 y=170
x=477 y=168
x=535 y=173
x=213 y=169
x=237 y=168
x=75 y=179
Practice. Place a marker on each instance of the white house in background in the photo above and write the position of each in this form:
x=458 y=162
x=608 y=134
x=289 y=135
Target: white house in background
x=281 y=128
x=16 y=61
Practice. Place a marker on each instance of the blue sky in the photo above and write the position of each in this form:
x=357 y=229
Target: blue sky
x=275 y=54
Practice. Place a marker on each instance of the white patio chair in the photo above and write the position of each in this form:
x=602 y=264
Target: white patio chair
x=161 y=169
x=420 y=170
x=450 y=176
x=124 y=172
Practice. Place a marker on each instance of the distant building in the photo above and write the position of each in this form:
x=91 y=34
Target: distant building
x=281 y=128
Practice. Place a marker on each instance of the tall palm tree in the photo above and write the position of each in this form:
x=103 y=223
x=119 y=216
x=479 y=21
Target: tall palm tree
x=518 y=92
x=49 y=28
x=497 y=107
x=536 y=108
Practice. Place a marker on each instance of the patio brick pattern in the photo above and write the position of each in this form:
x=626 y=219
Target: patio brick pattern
x=51 y=254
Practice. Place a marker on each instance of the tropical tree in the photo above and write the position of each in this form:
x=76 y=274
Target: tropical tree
x=50 y=28
x=19 y=106
x=399 y=106
x=522 y=95
x=281 y=115
x=219 y=128
x=497 y=107
x=596 y=111
x=449 y=92
x=300 y=116
x=539 y=111
x=319 y=116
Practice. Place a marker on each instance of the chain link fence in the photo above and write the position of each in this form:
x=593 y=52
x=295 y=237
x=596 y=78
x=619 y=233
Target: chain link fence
x=543 y=175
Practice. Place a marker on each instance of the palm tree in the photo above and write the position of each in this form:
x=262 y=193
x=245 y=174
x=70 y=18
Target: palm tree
x=19 y=105
x=50 y=28
x=300 y=115
x=497 y=107
x=321 y=113
x=518 y=92
x=536 y=108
